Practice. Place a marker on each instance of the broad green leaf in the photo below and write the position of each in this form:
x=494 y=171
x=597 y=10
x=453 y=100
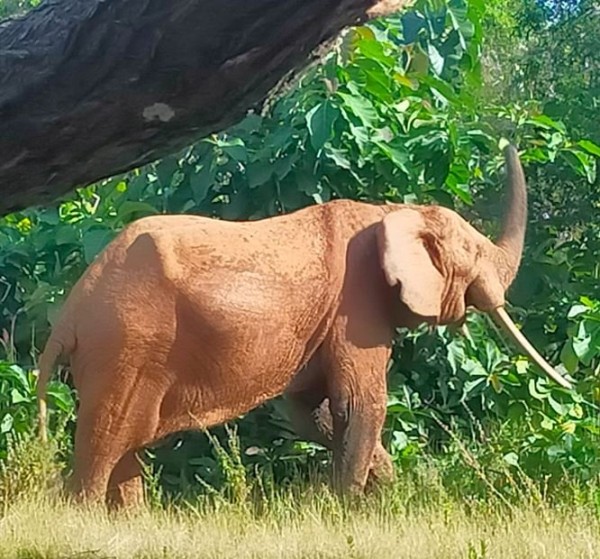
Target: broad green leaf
x=406 y=81
x=16 y=397
x=534 y=390
x=568 y=357
x=395 y=152
x=66 y=234
x=511 y=458
x=556 y=406
x=94 y=241
x=586 y=344
x=49 y=216
x=320 y=120
x=6 y=423
x=61 y=397
x=436 y=59
x=130 y=207
x=166 y=169
x=360 y=107
x=234 y=148
x=412 y=23
x=590 y=147
x=258 y=173
x=202 y=181
x=576 y=411
x=577 y=310
x=338 y=156
x=516 y=411
x=16 y=374
x=547 y=122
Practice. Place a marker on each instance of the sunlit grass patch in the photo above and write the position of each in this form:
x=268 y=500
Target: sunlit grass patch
x=438 y=509
x=313 y=526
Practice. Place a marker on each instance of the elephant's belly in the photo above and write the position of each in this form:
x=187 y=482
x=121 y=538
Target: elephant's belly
x=219 y=392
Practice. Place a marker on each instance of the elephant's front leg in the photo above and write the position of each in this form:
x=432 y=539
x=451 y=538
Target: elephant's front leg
x=310 y=414
x=358 y=397
x=125 y=486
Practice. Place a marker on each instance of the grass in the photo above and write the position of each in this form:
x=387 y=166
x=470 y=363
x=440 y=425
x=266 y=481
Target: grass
x=310 y=527
x=423 y=515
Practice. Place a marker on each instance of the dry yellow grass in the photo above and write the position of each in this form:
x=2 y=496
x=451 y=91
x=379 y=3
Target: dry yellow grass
x=420 y=516
x=313 y=528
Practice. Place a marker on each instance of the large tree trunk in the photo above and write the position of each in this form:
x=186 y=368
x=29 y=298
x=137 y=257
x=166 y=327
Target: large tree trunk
x=91 y=88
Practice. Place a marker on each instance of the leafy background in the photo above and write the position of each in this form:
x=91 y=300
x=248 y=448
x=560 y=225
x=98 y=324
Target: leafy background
x=407 y=109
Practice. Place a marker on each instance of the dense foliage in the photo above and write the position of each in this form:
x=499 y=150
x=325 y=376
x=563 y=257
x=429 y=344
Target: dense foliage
x=411 y=108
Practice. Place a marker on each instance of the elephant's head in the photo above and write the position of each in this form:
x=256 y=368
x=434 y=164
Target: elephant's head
x=442 y=265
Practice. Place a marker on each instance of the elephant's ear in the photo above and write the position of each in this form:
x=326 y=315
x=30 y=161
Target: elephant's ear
x=406 y=262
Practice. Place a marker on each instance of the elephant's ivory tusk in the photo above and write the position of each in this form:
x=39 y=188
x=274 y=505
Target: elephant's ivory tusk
x=502 y=319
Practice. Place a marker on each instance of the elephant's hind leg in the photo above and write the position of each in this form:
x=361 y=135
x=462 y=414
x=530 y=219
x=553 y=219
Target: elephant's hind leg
x=96 y=455
x=112 y=424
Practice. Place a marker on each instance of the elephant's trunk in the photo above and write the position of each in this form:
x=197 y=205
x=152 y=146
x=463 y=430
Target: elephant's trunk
x=510 y=249
x=512 y=234
x=501 y=317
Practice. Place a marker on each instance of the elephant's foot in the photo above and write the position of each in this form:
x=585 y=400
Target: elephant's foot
x=310 y=415
x=382 y=470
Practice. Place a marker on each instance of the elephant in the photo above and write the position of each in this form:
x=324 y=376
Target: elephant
x=185 y=322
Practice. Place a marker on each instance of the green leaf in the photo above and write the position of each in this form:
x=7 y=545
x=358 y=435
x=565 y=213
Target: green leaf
x=166 y=169
x=16 y=373
x=284 y=164
x=339 y=157
x=534 y=390
x=16 y=397
x=235 y=148
x=511 y=458
x=576 y=411
x=556 y=406
x=590 y=147
x=581 y=162
x=568 y=357
x=516 y=411
x=396 y=152
x=49 y=216
x=6 y=424
x=61 y=397
x=259 y=172
x=546 y=122
x=436 y=59
x=320 y=120
x=587 y=342
x=202 y=181
x=460 y=192
x=94 y=241
x=360 y=107
x=129 y=208
x=66 y=234
x=577 y=309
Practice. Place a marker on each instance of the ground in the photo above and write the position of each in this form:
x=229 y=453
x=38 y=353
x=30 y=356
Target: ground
x=300 y=527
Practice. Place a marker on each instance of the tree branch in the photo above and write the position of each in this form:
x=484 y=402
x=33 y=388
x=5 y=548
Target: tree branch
x=92 y=88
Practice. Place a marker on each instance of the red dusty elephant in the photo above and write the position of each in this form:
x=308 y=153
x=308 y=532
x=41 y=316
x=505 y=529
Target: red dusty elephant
x=185 y=322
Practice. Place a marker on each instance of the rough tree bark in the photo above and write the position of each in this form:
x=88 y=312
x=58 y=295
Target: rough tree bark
x=91 y=88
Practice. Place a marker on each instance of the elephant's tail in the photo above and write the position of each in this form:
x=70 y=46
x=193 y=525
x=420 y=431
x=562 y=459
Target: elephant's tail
x=58 y=345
